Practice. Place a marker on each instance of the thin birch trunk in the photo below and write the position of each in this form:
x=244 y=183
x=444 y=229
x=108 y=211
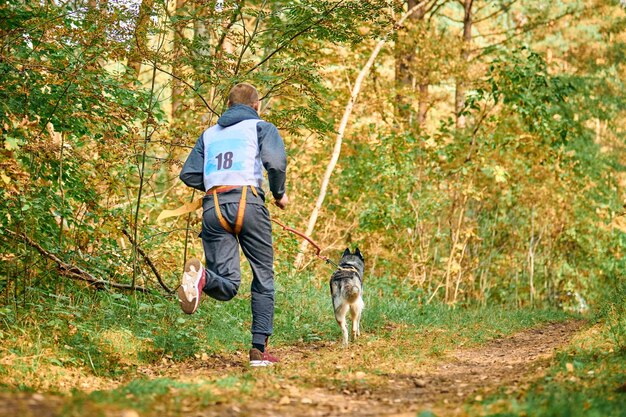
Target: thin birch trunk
x=342 y=128
x=405 y=57
x=141 y=165
x=484 y=276
x=531 y=259
x=432 y=264
x=423 y=103
x=142 y=176
x=460 y=274
x=518 y=302
x=461 y=85
x=177 y=70
x=62 y=191
x=138 y=47
x=455 y=241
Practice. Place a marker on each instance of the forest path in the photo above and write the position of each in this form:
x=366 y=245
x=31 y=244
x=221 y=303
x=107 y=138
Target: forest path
x=509 y=363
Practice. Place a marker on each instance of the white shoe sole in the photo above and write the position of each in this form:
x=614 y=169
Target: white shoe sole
x=188 y=293
x=261 y=363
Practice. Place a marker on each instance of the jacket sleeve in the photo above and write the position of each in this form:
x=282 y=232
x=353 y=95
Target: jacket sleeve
x=273 y=157
x=192 y=172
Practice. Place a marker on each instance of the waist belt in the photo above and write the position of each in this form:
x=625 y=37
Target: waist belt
x=236 y=229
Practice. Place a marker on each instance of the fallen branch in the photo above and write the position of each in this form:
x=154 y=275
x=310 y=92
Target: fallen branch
x=72 y=271
x=148 y=262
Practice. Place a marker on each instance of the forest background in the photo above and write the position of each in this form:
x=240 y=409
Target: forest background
x=480 y=159
x=472 y=149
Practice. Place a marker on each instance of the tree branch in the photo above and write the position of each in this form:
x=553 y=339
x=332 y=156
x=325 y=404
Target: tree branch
x=192 y=88
x=148 y=261
x=503 y=9
x=72 y=271
x=288 y=41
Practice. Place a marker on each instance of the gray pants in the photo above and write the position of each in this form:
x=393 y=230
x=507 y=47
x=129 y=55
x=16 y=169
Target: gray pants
x=221 y=250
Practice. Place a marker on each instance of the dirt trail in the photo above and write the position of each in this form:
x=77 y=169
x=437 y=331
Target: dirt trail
x=508 y=363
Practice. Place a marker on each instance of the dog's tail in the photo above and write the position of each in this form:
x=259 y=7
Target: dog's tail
x=351 y=292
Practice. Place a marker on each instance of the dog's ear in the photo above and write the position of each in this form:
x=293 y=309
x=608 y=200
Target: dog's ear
x=357 y=252
x=346 y=252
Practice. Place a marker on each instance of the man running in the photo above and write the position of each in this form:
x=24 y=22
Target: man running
x=227 y=163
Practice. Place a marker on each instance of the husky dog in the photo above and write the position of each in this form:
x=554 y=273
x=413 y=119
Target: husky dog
x=346 y=289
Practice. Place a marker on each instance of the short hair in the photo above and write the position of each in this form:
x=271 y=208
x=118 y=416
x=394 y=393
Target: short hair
x=243 y=93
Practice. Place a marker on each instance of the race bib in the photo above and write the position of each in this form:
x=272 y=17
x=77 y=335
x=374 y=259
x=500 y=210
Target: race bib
x=228 y=154
x=231 y=155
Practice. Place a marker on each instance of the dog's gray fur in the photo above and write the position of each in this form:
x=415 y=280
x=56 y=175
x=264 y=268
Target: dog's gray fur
x=346 y=290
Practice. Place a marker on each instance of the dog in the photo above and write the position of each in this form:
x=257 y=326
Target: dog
x=346 y=291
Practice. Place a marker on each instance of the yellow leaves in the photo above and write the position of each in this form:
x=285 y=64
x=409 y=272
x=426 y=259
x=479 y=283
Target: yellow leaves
x=500 y=174
x=455 y=266
x=11 y=144
x=204 y=357
x=430 y=143
x=12 y=176
x=7 y=257
x=54 y=135
x=619 y=223
x=497 y=172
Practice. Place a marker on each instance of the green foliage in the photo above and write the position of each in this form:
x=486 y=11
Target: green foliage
x=100 y=104
x=67 y=122
x=521 y=81
x=467 y=206
x=84 y=136
x=613 y=310
x=526 y=157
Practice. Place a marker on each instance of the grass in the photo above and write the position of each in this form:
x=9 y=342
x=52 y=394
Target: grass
x=101 y=348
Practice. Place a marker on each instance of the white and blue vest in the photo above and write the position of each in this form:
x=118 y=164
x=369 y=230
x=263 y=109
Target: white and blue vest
x=231 y=155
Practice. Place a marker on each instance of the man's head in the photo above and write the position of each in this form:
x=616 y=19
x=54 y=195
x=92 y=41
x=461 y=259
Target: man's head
x=244 y=93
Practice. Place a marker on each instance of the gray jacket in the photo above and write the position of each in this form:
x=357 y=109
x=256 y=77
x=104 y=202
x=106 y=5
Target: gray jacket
x=271 y=149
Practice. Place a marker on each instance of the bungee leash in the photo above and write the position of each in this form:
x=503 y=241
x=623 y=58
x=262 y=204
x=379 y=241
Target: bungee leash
x=197 y=204
x=318 y=249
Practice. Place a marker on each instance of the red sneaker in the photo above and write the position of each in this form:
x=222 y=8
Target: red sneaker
x=258 y=358
x=191 y=286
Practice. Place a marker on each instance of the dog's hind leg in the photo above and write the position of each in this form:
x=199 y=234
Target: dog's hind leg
x=340 y=315
x=355 y=313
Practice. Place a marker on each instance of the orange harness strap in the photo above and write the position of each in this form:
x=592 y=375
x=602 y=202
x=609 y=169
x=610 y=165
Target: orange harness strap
x=241 y=211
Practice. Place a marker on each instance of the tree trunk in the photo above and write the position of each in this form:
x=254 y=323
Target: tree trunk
x=461 y=85
x=201 y=41
x=141 y=38
x=405 y=57
x=423 y=104
x=177 y=86
x=342 y=128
